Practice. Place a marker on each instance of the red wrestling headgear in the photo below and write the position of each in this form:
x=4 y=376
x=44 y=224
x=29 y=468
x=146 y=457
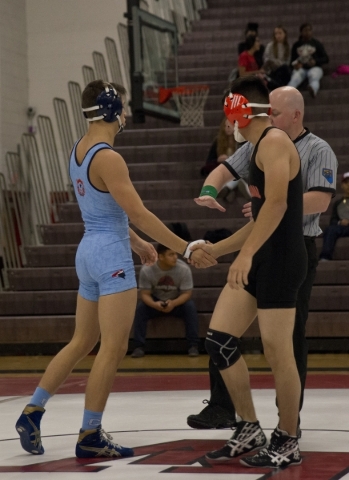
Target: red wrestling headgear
x=238 y=109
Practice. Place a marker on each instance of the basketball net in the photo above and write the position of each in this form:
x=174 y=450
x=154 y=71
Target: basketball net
x=190 y=102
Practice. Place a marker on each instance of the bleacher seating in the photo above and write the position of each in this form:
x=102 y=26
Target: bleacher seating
x=164 y=162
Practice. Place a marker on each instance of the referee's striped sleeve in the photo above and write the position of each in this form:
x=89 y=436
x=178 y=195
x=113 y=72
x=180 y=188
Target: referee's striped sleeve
x=239 y=163
x=322 y=172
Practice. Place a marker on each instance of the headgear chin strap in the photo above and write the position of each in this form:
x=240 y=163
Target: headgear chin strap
x=109 y=107
x=238 y=109
x=237 y=135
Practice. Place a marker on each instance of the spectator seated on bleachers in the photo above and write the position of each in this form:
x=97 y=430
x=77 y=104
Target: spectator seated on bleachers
x=252 y=30
x=165 y=291
x=339 y=223
x=277 y=57
x=307 y=57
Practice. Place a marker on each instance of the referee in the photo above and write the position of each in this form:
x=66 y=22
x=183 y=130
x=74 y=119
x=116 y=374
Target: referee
x=319 y=171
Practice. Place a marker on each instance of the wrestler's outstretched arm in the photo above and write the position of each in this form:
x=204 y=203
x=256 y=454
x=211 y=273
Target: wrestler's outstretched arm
x=144 y=250
x=113 y=171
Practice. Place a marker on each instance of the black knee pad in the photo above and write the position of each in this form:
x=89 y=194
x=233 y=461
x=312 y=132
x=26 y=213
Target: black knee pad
x=223 y=348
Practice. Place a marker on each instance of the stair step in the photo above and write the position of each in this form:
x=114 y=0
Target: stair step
x=269 y=3
x=176 y=189
x=71 y=233
x=63 y=302
x=178 y=209
x=63 y=255
x=285 y=15
x=171 y=209
x=169 y=153
x=334 y=136
x=265 y=28
x=219 y=36
x=65 y=278
x=60 y=328
x=166 y=136
x=165 y=170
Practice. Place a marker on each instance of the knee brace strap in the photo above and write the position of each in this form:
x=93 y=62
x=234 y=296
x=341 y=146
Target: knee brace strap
x=223 y=348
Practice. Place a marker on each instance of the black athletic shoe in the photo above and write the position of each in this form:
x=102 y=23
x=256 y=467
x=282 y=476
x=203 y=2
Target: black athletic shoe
x=246 y=438
x=212 y=416
x=282 y=451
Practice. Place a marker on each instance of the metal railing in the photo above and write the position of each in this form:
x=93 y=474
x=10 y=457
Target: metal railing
x=20 y=192
x=12 y=240
x=125 y=50
x=89 y=74
x=36 y=181
x=113 y=60
x=100 y=66
x=64 y=126
x=58 y=193
x=75 y=99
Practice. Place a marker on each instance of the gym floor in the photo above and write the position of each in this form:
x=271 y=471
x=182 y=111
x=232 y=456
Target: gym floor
x=147 y=410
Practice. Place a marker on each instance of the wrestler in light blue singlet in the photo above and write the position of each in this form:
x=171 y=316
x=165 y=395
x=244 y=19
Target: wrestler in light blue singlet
x=103 y=260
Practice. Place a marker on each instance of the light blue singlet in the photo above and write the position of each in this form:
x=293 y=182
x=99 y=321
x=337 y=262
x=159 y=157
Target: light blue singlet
x=103 y=260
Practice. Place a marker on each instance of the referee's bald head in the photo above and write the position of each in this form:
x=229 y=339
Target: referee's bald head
x=288 y=98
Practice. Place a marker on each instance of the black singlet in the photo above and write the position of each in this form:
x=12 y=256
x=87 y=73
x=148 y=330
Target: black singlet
x=279 y=266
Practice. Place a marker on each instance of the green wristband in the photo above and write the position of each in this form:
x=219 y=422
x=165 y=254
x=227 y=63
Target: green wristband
x=208 y=190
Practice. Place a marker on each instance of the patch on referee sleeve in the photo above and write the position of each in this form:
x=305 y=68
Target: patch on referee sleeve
x=328 y=174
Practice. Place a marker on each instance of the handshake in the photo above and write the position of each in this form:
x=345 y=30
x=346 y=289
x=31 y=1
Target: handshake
x=200 y=254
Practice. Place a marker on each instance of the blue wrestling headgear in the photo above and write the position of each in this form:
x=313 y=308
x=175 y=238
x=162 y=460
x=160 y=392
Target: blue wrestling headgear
x=109 y=107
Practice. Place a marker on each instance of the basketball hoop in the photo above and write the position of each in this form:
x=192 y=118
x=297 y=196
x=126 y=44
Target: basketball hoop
x=190 y=101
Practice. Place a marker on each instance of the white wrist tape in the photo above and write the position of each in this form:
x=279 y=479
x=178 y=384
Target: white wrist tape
x=188 y=252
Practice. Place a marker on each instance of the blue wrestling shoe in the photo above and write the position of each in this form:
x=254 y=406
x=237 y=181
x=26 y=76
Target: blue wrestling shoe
x=98 y=443
x=28 y=427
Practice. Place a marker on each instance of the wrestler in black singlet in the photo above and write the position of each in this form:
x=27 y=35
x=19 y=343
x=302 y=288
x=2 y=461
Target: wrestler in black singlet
x=279 y=266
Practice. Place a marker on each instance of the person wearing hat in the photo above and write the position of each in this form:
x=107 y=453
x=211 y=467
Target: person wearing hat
x=339 y=223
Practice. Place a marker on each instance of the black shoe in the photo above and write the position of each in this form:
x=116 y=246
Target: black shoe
x=282 y=451
x=247 y=437
x=193 y=351
x=138 y=352
x=212 y=416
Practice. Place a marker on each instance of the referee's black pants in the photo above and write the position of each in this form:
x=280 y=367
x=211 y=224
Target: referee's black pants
x=219 y=392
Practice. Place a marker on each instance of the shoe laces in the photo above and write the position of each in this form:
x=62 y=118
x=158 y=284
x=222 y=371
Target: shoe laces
x=106 y=436
x=212 y=408
x=277 y=441
x=207 y=403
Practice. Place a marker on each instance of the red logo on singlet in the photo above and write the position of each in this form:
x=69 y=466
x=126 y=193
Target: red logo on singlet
x=254 y=191
x=119 y=273
x=80 y=187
